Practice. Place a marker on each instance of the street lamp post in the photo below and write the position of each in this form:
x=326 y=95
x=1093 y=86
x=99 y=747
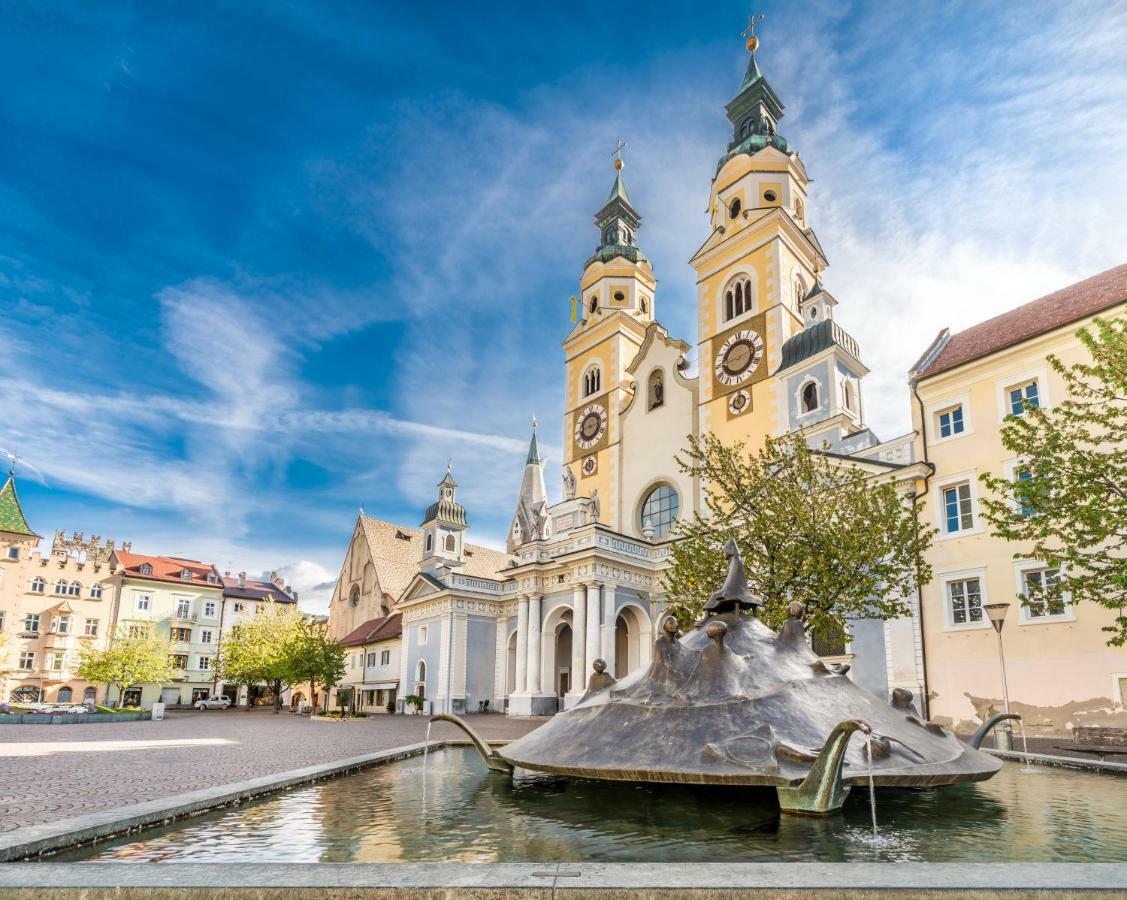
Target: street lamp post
x=1003 y=734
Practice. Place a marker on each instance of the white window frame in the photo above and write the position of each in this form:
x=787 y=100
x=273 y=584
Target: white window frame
x=1003 y=386
x=969 y=476
x=205 y=636
x=752 y=277
x=95 y=591
x=26 y=656
x=86 y=627
x=209 y=609
x=183 y=604
x=385 y=657
x=1020 y=571
x=823 y=399
x=143 y=602
x=424 y=634
x=944 y=579
x=38 y=622
x=203 y=664
x=934 y=410
x=13 y=553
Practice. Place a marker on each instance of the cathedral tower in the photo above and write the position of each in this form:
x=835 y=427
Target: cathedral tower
x=756 y=267
x=615 y=306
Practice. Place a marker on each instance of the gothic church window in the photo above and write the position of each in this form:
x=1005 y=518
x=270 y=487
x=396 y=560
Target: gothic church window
x=592 y=381
x=737 y=298
x=656 y=389
x=809 y=397
x=354 y=597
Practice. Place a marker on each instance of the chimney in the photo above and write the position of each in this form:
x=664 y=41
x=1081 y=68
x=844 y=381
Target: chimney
x=242 y=579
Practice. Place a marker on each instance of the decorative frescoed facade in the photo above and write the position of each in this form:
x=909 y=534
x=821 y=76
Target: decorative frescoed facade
x=582 y=577
x=1060 y=671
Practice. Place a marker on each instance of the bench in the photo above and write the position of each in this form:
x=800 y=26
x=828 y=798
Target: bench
x=1101 y=740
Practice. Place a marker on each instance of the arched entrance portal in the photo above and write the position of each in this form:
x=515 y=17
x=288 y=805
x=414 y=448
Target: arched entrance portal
x=511 y=665
x=555 y=652
x=633 y=644
x=563 y=661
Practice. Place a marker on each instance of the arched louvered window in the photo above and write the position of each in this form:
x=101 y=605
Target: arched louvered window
x=737 y=298
x=592 y=381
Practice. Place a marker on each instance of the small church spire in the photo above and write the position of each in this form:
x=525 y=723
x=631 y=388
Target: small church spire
x=531 y=521
x=755 y=110
x=617 y=221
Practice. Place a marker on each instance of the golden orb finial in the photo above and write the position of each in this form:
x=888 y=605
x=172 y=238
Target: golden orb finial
x=618 y=164
x=617 y=154
x=752 y=40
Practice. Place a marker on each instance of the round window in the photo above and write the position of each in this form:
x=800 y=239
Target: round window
x=770 y=196
x=734 y=208
x=619 y=296
x=660 y=509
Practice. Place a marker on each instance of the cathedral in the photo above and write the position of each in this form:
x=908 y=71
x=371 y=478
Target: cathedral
x=581 y=579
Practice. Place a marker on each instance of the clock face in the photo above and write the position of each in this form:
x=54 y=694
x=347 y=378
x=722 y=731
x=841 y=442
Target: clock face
x=739 y=402
x=739 y=357
x=590 y=425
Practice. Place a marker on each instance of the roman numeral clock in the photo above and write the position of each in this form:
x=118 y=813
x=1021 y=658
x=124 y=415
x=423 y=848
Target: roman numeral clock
x=738 y=362
x=590 y=434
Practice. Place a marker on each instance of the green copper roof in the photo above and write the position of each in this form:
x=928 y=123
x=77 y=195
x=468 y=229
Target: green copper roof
x=814 y=340
x=754 y=113
x=618 y=189
x=533 y=452
x=12 y=520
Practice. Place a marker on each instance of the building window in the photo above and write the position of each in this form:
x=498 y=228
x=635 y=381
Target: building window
x=592 y=381
x=657 y=389
x=237 y=607
x=91 y=628
x=31 y=623
x=2 y=615
x=205 y=636
x=138 y=631
x=385 y=657
x=848 y=396
x=371 y=659
x=185 y=574
x=89 y=695
x=61 y=624
x=659 y=510
x=423 y=634
x=964 y=598
x=451 y=543
x=1040 y=601
x=183 y=609
x=734 y=208
x=737 y=297
x=75 y=589
x=593 y=302
x=770 y=196
x=421 y=671
x=1021 y=494
x=957 y=513
x=66 y=695
x=178 y=660
x=1023 y=395
x=61 y=587
x=204 y=664
x=182 y=634
x=146 y=569
x=809 y=397
x=951 y=421
x=212 y=578
x=27 y=660
x=54 y=662
x=13 y=553
x=38 y=585
x=144 y=601
x=95 y=592
x=209 y=609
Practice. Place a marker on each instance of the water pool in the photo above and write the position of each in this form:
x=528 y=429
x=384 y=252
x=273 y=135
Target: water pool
x=385 y=815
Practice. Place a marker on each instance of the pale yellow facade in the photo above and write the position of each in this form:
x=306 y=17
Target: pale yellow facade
x=1061 y=672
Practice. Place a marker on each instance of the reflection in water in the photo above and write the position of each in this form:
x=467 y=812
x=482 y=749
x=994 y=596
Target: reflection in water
x=472 y=815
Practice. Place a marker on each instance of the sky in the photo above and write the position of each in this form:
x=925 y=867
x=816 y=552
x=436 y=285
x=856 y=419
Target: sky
x=262 y=264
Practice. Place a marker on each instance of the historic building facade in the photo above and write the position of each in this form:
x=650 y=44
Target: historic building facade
x=581 y=579
x=1060 y=670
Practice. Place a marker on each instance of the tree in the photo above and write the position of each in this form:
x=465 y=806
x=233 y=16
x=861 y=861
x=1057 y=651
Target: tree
x=1069 y=498
x=810 y=528
x=261 y=650
x=132 y=658
x=317 y=658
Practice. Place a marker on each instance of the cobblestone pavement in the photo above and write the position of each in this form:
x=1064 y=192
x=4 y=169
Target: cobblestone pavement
x=52 y=772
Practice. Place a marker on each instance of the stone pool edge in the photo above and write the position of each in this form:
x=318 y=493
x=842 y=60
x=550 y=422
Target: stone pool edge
x=65 y=834
x=825 y=881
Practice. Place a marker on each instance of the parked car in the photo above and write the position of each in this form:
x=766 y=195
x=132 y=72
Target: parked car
x=220 y=701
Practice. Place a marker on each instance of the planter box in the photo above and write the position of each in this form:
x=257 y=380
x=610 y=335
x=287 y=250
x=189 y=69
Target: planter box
x=72 y=718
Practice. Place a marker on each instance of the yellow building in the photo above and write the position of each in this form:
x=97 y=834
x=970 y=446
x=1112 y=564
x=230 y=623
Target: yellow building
x=1061 y=673
x=51 y=605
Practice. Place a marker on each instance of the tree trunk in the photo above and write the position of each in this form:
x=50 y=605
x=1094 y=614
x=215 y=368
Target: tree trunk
x=277 y=685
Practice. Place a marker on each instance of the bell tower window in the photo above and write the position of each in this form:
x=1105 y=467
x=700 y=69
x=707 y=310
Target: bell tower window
x=592 y=381
x=451 y=543
x=809 y=397
x=734 y=208
x=737 y=298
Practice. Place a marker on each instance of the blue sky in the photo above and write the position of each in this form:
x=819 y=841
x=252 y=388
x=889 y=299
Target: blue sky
x=262 y=263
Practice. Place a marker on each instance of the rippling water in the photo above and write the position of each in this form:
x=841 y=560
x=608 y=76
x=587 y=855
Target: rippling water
x=383 y=815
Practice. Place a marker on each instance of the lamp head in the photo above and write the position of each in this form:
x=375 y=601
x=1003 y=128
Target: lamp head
x=997 y=614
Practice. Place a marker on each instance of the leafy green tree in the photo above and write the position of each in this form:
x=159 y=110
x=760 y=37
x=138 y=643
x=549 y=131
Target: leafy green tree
x=132 y=658
x=261 y=649
x=810 y=528
x=1068 y=503
x=317 y=658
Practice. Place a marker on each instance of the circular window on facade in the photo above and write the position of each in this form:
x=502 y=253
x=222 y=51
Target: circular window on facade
x=770 y=196
x=660 y=509
x=619 y=296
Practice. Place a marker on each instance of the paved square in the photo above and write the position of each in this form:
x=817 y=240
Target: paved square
x=57 y=771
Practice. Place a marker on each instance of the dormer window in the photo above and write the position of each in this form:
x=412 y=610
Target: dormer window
x=737 y=298
x=211 y=579
x=185 y=574
x=146 y=569
x=592 y=381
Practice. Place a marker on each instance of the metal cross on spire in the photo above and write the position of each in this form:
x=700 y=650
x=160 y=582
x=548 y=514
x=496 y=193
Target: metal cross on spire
x=617 y=154
x=752 y=40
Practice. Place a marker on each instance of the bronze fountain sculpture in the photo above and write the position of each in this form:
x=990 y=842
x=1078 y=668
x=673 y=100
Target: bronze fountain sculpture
x=732 y=702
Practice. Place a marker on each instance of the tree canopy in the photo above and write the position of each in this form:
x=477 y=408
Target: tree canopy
x=261 y=649
x=132 y=658
x=810 y=527
x=317 y=658
x=1067 y=501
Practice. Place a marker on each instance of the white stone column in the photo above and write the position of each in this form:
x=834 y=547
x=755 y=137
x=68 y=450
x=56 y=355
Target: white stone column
x=533 y=642
x=594 y=617
x=578 y=640
x=522 y=646
x=609 y=619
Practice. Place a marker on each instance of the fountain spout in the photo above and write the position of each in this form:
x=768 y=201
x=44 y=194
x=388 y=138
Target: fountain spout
x=988 y=726
x=492 y=759
x=822 y=792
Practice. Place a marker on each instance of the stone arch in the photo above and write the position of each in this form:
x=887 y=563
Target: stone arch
x=555 y=647
x=633 y=638
x=748 y=278
x=511 y=665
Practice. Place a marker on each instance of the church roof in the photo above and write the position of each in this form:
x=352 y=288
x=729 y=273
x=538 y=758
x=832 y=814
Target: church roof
x=1071 y=304
x=813 y=340
x=397 y=551
x=12 y=519
x=618 y=190
x=383 y=628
